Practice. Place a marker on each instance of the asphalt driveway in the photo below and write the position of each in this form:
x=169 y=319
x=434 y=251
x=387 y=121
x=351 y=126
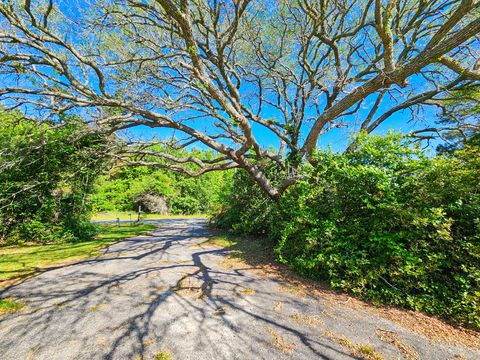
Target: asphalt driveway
x=166 y=293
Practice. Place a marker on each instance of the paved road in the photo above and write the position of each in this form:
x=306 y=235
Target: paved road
x=164 y=292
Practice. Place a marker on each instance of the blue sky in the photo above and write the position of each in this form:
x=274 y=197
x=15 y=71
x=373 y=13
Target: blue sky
x=336 y=139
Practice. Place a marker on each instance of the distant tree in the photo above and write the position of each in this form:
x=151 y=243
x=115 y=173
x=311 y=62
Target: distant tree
x=218 y=72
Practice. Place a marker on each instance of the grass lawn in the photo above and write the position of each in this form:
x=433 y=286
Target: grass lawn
x=123 y=215
x=21 y=261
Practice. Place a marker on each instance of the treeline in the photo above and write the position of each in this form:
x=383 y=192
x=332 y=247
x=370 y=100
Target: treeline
x=159 y=191
x=385 y=222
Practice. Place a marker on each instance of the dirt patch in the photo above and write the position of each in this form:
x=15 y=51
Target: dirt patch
x=428 y=326
x=148 y=342
x=311 y=321
x=102 y=342
x=278 y=306
x=161 y=262
x=279 y=342
x=360 y=351
x=61 y=305
x=247 y=291
x=32 y=353
x=230 y=263
x=393 y=338
x=293 y=289
x=431 y=327
x=97 y=307
x=190 y=286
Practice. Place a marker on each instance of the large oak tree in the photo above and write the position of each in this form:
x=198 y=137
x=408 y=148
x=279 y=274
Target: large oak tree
x=221 y=72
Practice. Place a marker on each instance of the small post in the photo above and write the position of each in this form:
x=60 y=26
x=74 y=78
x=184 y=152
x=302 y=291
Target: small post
x=118 y=222
x=139 y=211
x=130 y=217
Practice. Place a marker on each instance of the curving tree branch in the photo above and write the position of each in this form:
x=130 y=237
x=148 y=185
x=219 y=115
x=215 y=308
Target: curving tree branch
x=226 y=74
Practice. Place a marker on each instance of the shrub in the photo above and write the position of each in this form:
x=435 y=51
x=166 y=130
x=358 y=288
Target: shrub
x=45 y=173
x=246 y=210
x=385 y=222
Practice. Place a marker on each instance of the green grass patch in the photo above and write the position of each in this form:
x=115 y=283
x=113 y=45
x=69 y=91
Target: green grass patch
x=163 y=355
x=124 y=215
x=251 y=250
x=21 y=261
x=9 y=305
x=111 y=232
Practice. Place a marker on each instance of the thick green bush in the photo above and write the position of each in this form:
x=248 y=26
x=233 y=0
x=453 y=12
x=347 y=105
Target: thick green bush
x=46 y=171
x=246 y=208
x=385 y=222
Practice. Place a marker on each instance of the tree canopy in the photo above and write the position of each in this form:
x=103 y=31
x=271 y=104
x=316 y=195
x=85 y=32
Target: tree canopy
x=221 y=73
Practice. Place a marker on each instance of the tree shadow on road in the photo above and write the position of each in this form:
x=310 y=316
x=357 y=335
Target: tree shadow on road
x=128 y=304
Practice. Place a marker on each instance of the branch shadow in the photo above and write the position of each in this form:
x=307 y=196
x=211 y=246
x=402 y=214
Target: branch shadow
x=133 y=294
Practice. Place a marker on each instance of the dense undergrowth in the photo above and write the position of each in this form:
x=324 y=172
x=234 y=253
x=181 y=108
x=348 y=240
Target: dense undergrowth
x=46 y=172
x=385 y=222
